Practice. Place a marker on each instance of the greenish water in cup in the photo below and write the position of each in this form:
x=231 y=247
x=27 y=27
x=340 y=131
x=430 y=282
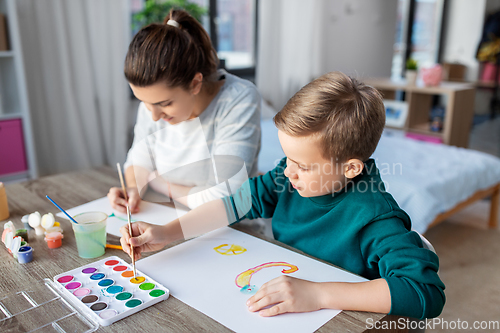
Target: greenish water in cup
x=90 y=234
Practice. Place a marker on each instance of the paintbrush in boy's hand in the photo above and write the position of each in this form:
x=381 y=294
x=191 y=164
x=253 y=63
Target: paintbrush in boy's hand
x=124 y=189
x=130 y=231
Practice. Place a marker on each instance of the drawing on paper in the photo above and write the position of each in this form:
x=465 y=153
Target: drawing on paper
x=249 y=290
x=227 y=250
x=120 y=218
x=243 y=279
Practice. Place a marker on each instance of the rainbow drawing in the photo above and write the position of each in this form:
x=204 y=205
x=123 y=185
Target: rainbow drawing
x=243 y=279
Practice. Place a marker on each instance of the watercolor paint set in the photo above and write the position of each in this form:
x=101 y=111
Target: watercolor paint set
x=108 y=291
x=79 y=300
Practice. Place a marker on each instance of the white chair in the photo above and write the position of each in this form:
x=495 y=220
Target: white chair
x=428 y=246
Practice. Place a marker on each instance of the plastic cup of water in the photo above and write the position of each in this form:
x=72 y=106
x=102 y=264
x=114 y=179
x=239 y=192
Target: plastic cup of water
x=90 y=234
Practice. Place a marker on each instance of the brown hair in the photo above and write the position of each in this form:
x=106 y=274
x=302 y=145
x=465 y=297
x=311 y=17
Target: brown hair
x=165 y=52
x=347 y=116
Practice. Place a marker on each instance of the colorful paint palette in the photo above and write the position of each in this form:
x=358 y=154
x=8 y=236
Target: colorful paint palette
x=107 y=291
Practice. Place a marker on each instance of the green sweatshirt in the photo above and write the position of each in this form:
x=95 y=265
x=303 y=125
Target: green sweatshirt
x=361 y=229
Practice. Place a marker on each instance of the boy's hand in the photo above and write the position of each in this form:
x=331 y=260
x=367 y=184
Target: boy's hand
x=117 y=199
x=147 y=238
x=288 y=294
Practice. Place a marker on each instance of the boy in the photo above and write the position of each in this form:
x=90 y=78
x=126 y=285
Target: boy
x=326 y=199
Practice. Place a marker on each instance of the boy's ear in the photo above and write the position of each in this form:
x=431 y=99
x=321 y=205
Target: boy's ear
x=196 y=83
x=353 y=167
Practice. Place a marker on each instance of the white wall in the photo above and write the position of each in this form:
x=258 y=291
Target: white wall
x=302 y=39
x=465 y=19
x=360 y=36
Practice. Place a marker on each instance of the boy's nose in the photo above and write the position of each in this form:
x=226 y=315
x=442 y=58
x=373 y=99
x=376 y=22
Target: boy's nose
x=289 y=173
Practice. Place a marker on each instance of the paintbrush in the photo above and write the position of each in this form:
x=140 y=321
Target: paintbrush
x=130 y=231
x=121 y=181
x=62 y=210
x=128 y=212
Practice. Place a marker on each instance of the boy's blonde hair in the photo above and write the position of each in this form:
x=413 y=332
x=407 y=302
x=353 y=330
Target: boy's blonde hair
x=347 y=116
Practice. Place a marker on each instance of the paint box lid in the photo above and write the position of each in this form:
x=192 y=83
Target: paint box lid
x=21 y=311
x=15 y=245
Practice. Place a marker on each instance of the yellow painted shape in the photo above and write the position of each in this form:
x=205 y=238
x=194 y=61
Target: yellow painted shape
x=243 y=279
x=225 y=250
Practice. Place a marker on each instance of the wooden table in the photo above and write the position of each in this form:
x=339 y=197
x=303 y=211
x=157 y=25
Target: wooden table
x=76 y=188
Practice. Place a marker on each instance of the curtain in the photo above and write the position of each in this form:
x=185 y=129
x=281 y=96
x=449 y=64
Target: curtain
x=290 y=49
x=73 y=53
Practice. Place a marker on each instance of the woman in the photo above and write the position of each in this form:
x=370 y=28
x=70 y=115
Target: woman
x=190 y=113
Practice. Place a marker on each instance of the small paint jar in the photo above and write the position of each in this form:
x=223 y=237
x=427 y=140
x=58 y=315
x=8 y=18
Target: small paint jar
x=25 y=220
x=25 y=254
x=4 y=207
x=54 y=239
x=23 y=233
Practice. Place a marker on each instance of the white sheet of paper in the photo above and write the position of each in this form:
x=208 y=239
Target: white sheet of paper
x=150 y=212
x=204 y=279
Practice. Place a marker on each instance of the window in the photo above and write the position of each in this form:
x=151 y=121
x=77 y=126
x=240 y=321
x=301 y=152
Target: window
x=399 y=56
x=418 y=33
x=235 y=23
x=426 y=31
x=236 y=30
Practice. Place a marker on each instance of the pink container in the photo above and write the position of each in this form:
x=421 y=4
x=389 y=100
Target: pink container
x=54 y=239
x=432 y=76
x=489 y=72
x=423 y=137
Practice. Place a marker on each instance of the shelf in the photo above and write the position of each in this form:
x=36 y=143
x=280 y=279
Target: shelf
x=485 y=84
x=395 y=127
x=458 y=112
x=424 y=129
x=7 y=116
x=6 y=54
x=445 y=87
x=14 y=96
x=420 y=129
x=15 y=177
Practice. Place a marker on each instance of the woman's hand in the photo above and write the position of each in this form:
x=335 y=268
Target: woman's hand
x=117 y=199
x=147 y=238
x=286 y=294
